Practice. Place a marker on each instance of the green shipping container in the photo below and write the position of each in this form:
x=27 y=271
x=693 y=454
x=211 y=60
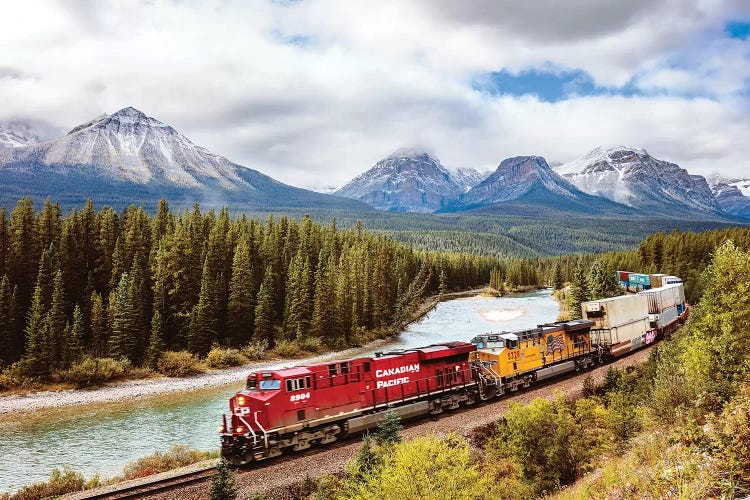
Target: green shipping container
x=640 y=279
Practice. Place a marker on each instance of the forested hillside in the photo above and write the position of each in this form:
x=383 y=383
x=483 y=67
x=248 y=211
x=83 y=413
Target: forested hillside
x=510 y=234
x=130 y=285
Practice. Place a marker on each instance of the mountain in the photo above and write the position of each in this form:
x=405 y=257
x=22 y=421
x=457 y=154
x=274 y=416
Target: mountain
x=16 y=135
x=406 y=181
x=467 y=177
x=527 y=184
x=632 y=177
x=733 y=195
x=129 y=157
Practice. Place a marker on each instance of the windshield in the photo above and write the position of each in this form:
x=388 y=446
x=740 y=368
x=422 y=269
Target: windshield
x=251 y=383
x=269 y=384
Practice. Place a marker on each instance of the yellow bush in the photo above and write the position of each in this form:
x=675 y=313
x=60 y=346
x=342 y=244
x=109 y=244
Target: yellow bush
x=91 y=372
x=177 y=456
x=178 y=364
x=224 y=358
x=59 y=483
x=427 y=467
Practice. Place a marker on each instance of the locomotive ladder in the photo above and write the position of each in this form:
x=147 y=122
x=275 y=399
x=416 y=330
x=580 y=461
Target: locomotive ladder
x=487 y=377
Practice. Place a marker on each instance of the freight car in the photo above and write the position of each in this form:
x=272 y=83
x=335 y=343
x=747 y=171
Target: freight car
x=294 y=408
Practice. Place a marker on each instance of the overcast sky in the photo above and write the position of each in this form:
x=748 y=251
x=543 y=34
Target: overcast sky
x=313 y=92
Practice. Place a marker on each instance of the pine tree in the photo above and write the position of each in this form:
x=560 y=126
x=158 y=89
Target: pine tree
x=324 y=307
x=241 y=305
x=223 y=485
x=75 y=337
x=578 y=292
x=98 y=326
x=204 y=319
x=366 y=460
x=557 y=278
x=601 y=283
x=9 y=350
x=39 y=358
x=389 y=430
x=124 y=338
x=264 y=310
x=156 y=342
x=58 y=320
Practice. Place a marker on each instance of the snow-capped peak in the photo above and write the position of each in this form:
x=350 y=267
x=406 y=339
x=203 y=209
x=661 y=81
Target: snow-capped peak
x=631 y=176
x=17 y=135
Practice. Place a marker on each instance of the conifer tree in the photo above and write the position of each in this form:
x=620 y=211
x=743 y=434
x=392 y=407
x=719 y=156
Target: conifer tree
x=4 y=240
x=124 y=338
x=156 y=341
x=443 y=286
x=98 y=325
x=324 y=308
x=578 y=292
x=241 y=304
x=8 y=340
x=58 y=320
x=75 y=337
x=264 y=310
x=389 y=430
x=601 y=283
x=204 y=319
x=223 y=485
x=39 y=357
x=557 y=278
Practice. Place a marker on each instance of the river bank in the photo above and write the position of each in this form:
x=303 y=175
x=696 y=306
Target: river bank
x=156 y=386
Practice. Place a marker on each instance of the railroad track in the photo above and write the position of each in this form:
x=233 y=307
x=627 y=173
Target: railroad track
x=153 y=487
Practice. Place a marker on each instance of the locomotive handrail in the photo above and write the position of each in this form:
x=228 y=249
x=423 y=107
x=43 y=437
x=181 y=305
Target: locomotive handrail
x=250 y=428
x=265 y=434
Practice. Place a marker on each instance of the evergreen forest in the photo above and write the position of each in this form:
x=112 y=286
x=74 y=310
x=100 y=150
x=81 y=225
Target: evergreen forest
x=130 y=285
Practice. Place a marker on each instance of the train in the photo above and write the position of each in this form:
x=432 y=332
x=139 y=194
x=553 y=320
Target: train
x=297 y=407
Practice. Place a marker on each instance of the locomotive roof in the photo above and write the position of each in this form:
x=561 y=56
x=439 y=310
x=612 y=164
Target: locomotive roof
x=429 y=352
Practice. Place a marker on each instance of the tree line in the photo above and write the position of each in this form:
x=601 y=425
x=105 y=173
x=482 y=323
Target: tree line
x=130 y=284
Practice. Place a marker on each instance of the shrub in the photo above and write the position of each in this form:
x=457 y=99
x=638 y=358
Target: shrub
x=224 y=358
x=59 y=483
x=178 y=364
x=223 y=484
x=177 y=456
x=91 y=372
x=14 y=377
x=310 y=344
x=288 y=349
x=255 y=350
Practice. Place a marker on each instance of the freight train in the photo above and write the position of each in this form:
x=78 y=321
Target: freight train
x=295 y=408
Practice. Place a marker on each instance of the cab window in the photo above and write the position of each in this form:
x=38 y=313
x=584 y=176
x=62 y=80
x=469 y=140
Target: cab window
x=269 y=384
x=251 y=384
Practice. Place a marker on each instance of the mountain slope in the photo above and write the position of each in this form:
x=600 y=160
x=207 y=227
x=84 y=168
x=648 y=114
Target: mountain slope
x=733 y=195
x=467 y=177
x=16 y=135
x=406 y=181
x=633 y=177
x=129 y=157
x=527 y=184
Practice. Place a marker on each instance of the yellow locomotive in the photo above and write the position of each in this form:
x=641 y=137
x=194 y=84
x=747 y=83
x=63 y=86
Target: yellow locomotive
x=508 y=361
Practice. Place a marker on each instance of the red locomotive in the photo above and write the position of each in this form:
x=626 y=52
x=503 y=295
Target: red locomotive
x=296 y=407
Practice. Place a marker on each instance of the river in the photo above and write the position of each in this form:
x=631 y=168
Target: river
x=104 y=437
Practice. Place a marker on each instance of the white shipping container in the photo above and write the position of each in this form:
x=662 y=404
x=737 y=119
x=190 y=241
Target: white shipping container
x=662 y=298
x=616 y=311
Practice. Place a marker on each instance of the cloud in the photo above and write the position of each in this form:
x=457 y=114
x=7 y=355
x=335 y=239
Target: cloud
x=314 y=92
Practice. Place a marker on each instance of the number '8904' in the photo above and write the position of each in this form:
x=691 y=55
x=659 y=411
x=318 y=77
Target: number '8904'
x=300 y=397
